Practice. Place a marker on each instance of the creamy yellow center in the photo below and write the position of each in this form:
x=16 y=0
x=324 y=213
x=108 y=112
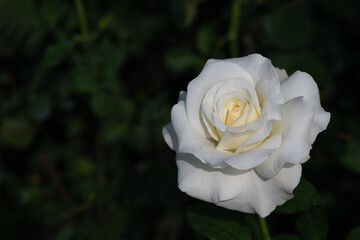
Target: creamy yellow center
x=238 y=113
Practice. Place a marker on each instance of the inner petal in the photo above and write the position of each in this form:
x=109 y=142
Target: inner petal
x=233 y=111
x=238 y=113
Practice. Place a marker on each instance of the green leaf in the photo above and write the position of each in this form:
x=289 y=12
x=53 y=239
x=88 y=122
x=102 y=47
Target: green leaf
x=288 y=28
x=65 y=232
x=85 y=78
x=56 y=53
x=28 y=194
x=16 y=132
x=354 y=234
x=305 y=196
x=112 y=58
x=252 y=221
x=312 y=224
x=205 y=38
x=74 y=127
x=305 y=61
x=178 y=11
x=217 y=223
x=286 y=237
x=39 y=108
x=351 y=158
x=105 y=21
x=181 y=59
x=112 y=132
x=52 y=12
x=83 y=166
x=17 y=19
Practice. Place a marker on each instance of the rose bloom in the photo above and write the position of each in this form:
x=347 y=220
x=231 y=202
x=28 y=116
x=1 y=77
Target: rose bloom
x=242 y=131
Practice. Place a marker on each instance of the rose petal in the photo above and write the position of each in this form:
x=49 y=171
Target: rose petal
x=189 y=140
x=241 y=161
x=294 y=126
x=225 y=88
x=203 y=182
x=234 y=137
x=212 y=73
x=261 y=196
x=168 y=130
x=238 y=190
x=272 y=101
x=207 y=120
x=258 y=67
x=170 y=137
x=255 y=131
x=282 y=74
x=302 y=84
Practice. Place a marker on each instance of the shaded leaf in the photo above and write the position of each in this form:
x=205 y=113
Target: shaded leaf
x=113 y=132
x=180 y=60
x=354 y=234
x=112 y=58
x=252 y=221
x=28 y=194
x=305 y=196
x=85 y=78
x=17 y=19
x=83 y=166
x=105 y=21
x=217 y=223
x=205 y=38
x=178 y=11
x=288 y=28
x=312 y=224
x=352 y=157
x=56 y=53
x=16 y=132
x=52 y=12
x=286 y=237
x=65 y=232
x=39 y=108
x=304 y=61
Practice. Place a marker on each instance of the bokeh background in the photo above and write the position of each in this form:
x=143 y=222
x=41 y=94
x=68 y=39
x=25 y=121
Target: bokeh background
x=86 y=86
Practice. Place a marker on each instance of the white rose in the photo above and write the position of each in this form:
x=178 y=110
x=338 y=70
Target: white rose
x=241 y=132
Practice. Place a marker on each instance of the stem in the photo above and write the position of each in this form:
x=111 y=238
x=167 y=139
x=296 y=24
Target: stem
x=264 y=229
x=234 y=27
x=82 y=18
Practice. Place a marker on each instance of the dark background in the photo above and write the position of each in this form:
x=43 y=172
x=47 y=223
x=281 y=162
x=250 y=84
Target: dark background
x=85 y=88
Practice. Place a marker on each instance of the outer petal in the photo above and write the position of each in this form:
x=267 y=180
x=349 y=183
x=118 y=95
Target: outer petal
x=170 y=136
x=261 y=196
x=302 y=84
x=243 y=191
x=189 y=140
x=168 y=130
x=282 y=74
x=213 y=73
x=258 y=67
x=295 y=127
x=206 y=183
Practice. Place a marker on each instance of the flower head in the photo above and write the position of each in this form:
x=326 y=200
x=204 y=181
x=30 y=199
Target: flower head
x=242 y=131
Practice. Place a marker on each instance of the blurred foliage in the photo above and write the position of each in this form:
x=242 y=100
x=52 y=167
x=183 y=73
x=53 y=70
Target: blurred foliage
x=354 y=234
x=84 y=95
x=286 y=237
x=312 y=224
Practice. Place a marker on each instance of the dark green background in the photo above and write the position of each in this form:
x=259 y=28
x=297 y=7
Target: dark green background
x=81 y=109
